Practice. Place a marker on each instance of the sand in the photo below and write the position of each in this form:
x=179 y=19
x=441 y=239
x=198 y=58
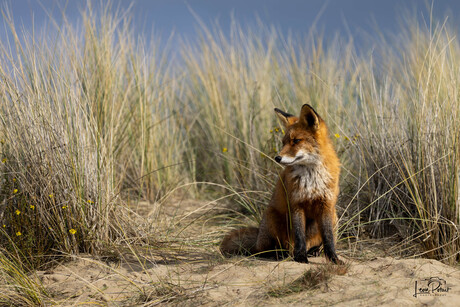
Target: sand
x=179 y=276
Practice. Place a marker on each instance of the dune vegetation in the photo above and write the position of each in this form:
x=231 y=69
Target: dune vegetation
x=94 y=119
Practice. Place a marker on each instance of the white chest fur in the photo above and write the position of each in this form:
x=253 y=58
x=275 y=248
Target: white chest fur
x=311 y=182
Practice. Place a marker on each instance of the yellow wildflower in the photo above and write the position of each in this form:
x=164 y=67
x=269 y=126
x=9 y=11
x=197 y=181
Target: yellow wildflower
x=277 y=129
x=32 y=207
x=224 y=149
x=355 y=138
x=17 y=212
x=337 y=135
x=4 y=160
x=4 y=225
x=15 y=191
x=64 y=207
x=51 y=195
x=90 y=201
x=14 y=179
x=18 y=233
x=72 y=231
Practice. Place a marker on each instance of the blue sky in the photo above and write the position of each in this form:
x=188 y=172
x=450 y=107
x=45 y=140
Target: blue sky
x=343 y=16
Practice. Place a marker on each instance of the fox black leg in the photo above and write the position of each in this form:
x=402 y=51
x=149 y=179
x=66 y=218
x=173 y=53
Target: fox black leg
x=300 y=246
x=327 y=235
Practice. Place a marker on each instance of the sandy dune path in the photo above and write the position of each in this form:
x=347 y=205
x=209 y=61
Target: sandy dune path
x=249 y=282
x=204 y=277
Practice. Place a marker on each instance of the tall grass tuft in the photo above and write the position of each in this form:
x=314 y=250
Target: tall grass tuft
x=409 y=138
x=19 y=288
x=86 y=115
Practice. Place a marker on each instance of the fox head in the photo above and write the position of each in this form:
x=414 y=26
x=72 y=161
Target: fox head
x=301 y=142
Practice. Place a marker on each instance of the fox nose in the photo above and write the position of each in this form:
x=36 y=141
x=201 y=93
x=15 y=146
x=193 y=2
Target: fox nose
x=278 y=159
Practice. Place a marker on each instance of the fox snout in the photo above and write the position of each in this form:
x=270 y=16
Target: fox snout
x=301 y=158
x=286 y=160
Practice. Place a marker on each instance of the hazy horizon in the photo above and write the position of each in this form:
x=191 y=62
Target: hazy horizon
x=356 y=18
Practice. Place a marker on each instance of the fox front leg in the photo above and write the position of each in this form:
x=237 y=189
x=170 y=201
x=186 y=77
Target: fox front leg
x=300 y=246
x=327 y=234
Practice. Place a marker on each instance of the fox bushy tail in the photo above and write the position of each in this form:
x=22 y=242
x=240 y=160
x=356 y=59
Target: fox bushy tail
x=240 y=241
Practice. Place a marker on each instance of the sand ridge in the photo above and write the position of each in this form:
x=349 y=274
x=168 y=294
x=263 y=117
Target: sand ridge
x=208 y=279
x=244 y=281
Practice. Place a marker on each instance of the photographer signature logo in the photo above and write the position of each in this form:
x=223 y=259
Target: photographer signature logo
x=433 y=286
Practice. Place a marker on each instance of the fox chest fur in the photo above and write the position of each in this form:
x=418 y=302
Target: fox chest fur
x=309 y=182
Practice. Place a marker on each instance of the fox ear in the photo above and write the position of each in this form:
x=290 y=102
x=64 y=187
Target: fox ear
x=286 y=118
x=309 y=117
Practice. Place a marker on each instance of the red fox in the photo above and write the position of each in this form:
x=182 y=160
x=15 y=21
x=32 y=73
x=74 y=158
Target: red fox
x=301 y=213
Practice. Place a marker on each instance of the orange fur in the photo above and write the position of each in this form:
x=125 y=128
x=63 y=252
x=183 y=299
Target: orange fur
x=301 y=214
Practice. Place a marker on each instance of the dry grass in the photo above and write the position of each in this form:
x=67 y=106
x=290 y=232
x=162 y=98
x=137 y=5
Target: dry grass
x=19 y=288
x=408 y=145
x=311 y=279
x=79 y=117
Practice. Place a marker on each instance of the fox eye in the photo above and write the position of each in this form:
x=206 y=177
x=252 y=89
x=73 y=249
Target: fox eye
x=295 y=141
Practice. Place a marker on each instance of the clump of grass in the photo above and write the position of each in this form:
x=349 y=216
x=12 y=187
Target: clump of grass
x=312 y=279
x=408 y=152
x=19 y=287
x=81 y=119
x=57 y=186
x=163 y=293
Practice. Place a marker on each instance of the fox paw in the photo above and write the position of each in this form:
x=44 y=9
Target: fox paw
x=336 y=260
x=301 y=257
